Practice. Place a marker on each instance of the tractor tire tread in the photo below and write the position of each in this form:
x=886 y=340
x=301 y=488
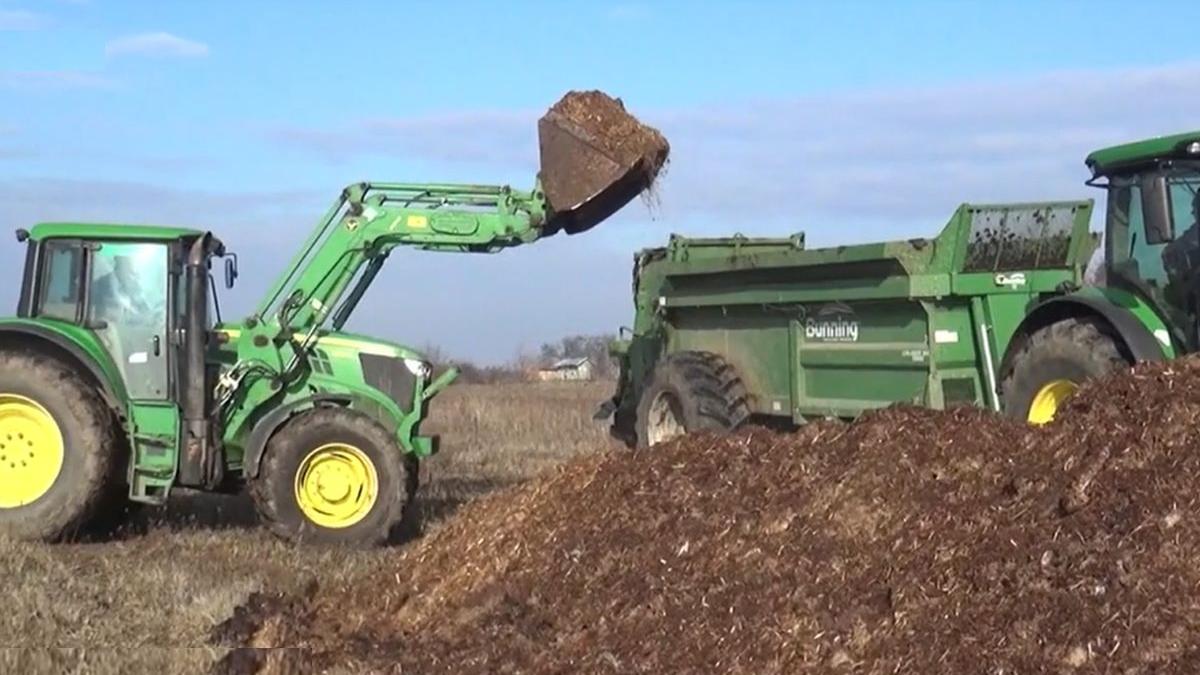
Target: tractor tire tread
x=718 y=397
x=1088 y=341
x=96 y=462
x=270 y=504
x=726 y=386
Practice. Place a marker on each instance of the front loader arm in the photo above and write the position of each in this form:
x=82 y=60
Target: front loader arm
x=351 y=243
x=370 y=219
x=594 y=159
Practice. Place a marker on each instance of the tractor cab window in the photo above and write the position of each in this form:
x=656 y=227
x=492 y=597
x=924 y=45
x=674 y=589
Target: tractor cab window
x=127 y=307
x=1182 y=254
x=128 y=283
x=117 y=289
x=1154 y=237
x=59 y=286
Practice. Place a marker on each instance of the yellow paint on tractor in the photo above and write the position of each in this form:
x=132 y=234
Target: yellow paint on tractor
x=31 y=451
x=336 y=485
x=1049 y=399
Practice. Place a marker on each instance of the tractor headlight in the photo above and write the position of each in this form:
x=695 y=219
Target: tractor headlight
x=418 y=367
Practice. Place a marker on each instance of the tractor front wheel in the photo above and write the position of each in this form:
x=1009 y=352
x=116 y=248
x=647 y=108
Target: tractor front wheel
x=690 y=391
x=1053 y=362
x=333 y=476
x=58 y=450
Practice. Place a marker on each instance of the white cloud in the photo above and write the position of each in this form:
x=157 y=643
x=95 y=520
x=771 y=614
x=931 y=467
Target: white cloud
x=905 y=156
x=156 y=44
x=251 y=222
x=30 y=199
x=847 y=166
x=916 y=153
x=52 y=80
x=474 y=136
x=21 y=19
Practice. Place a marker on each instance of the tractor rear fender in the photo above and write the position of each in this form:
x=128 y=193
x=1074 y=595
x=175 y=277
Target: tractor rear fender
x=275 y=419
x=33 y=337
x=1144 y=335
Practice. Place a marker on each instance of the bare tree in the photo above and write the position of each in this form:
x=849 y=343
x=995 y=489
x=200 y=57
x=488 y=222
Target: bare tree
x=591 y=347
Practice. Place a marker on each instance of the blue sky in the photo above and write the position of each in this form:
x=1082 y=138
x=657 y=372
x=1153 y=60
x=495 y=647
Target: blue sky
x=853 y=121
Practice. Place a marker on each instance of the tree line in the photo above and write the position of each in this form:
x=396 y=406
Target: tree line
x=524 y=364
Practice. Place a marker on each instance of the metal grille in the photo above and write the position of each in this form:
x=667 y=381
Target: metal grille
x=958 y=390
x=1018 y=238
x=319 y=361
x=390 y=376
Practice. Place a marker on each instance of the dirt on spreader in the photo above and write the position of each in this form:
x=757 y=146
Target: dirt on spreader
x=911 y=541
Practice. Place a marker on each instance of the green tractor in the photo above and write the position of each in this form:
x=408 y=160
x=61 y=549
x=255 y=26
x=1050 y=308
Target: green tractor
x=994 y=311
x=1146 y=307
x=120 y=382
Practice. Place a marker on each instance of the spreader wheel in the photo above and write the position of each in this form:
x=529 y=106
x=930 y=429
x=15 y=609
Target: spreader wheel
x=690 y=391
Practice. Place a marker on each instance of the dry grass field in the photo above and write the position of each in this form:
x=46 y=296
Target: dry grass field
x=146 y=601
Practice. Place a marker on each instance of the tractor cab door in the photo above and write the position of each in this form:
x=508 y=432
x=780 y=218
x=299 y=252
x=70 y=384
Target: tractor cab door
x=1153 y=245
x=127 y=307
x=119 y=290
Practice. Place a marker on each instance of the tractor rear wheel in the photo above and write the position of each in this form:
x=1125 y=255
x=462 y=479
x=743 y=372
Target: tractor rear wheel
x=690 y=391
x=333 y=476
x=1053 y=362
x=58 y=450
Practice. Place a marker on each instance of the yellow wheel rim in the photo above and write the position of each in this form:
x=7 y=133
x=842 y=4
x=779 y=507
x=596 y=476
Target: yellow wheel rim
x=31 y=451
x=336 y=485
x=1048 y=399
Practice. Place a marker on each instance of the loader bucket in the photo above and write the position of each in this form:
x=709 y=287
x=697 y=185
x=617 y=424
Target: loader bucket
x=595 y=158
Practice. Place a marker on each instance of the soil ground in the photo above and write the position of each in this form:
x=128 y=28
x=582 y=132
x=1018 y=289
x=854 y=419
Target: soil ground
x=147 y=602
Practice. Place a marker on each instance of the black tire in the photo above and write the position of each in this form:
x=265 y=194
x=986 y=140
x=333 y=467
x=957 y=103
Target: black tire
x=90 y=449
x=1074 y=350
x=115 y=512
x=698 y=391
x=274 y=490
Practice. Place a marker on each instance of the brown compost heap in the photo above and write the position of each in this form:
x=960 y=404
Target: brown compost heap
x=910 y=541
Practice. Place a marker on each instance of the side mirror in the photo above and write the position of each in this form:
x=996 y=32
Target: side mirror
x=1156 y=209
x=231 y=269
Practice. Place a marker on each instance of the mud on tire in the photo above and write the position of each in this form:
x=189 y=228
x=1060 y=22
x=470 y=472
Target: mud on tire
x=90 y=461
x=275 y=490
x=687 y=392
x=1071 y=349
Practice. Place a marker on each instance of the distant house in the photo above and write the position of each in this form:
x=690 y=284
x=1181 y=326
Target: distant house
x=567 y=369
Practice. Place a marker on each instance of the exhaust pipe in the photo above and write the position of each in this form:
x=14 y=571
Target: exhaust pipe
x=201 y=463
